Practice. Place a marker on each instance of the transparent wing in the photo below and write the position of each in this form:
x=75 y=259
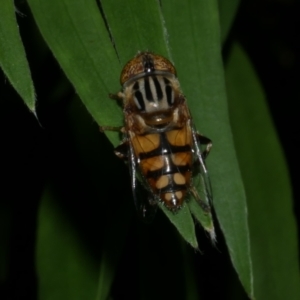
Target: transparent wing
x=144 y=200
x=201 y=189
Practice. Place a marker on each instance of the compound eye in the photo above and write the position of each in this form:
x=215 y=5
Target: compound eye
x=144 y=63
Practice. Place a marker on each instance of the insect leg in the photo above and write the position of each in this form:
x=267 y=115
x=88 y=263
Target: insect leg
x=112 y=128
x=119 y=96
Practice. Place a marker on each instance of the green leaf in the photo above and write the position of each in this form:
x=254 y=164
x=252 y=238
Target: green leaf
x=67 y=248
x=113 y=209
x=147 y=32
x=204 y=218
x=273 y=235
x=65 y=267
x=196 y=49
x=184 y=223
x=227 y=11
x=92 y=66
x=81 y=42
x=135 y=25
x=12 y=55
x=112 y=248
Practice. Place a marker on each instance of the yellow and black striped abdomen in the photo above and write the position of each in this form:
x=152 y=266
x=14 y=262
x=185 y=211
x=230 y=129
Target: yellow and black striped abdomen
x=165 y=160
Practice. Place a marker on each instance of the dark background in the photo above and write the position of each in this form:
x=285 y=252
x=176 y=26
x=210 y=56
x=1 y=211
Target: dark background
x=268 y=32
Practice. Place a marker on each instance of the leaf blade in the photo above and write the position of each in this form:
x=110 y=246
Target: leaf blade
x=144 y=31
x=13 y=59
x=66 y=270
x=227 y=9
x=201 y=76
x=265 y=175
x=86 y=64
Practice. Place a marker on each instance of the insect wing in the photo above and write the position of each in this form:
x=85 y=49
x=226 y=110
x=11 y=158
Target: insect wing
x=144 y=199
x=201 y=179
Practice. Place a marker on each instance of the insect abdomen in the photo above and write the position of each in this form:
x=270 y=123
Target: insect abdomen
x=165 y=161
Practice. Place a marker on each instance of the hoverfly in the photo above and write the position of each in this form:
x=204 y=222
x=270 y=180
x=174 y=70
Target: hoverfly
x=160 y=142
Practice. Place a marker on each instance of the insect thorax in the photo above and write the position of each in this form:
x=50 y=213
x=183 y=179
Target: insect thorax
x=153 y=95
